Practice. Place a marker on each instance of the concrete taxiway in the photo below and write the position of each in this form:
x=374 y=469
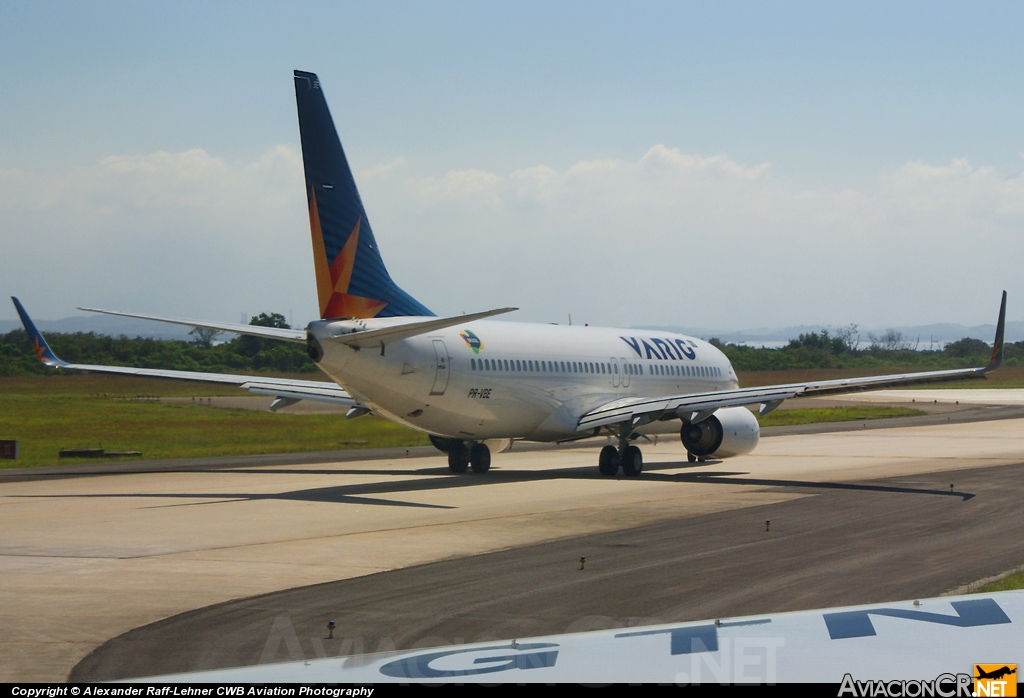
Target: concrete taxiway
x=86 y=559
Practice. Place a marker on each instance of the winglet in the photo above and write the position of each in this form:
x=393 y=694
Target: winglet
x=997 y=344
x=39 y=345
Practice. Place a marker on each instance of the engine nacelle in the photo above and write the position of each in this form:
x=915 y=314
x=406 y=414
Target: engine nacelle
x=731 y=431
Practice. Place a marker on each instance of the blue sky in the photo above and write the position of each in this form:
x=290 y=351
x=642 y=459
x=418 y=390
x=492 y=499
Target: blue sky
x=729 y=165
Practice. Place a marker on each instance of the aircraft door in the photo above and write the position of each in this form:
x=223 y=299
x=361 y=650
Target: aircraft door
x=615 y=372
x=625 y=372
x=441 y=377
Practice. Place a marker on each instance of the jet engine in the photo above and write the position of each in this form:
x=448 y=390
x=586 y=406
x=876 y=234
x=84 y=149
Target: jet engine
x=731 y=431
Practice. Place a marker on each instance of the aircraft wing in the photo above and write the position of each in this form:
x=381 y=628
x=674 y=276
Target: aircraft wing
x=289 y=390
x=697 y=406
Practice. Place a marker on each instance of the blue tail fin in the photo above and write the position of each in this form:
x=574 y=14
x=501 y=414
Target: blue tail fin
x=39 y=345
x=351 y=279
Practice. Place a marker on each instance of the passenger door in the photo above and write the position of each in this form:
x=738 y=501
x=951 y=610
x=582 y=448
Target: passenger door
x=443 y=369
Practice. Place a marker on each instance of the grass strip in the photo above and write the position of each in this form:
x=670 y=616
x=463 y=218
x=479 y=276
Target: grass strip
x=852 y=413
x=1014 y=581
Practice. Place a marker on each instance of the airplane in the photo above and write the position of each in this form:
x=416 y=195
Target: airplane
x=474 y=384
x=995 y=674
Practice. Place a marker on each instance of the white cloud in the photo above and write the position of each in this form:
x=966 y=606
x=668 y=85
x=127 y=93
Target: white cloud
x=670 y=238
x=171 y=232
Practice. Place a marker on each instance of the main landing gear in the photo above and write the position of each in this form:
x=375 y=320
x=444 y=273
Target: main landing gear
x=626 y=455
x=477 y=456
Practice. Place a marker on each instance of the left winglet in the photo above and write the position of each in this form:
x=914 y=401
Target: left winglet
x=39 y=345
x=997 y=343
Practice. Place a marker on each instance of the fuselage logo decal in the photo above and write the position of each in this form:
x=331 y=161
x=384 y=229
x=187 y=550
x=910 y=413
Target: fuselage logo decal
x=472 y=341
x=658 y=348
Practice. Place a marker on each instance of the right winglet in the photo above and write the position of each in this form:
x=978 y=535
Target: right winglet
x=39 y=345
x=997 y=344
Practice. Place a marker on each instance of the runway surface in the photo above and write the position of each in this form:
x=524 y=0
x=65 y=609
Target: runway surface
x=84 y=560
x=853 y=543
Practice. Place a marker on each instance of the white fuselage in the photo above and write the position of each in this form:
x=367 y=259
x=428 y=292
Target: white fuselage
x=501 y=380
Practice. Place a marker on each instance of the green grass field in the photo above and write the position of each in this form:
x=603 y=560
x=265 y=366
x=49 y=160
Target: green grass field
x=1014 y=581
x=48 y=413
x=117 y=413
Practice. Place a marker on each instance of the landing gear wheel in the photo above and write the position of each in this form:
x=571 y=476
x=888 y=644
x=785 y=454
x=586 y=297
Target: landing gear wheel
x=702 y=459
x=690 y=457
x=458 y=458
x=480 y=458
x=632 y=461
x=608 y=463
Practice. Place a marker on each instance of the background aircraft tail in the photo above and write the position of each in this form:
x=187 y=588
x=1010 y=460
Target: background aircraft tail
x=351 y=279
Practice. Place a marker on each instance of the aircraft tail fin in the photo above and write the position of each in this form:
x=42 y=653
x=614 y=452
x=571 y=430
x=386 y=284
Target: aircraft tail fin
x=351 y=279
x=39 y=345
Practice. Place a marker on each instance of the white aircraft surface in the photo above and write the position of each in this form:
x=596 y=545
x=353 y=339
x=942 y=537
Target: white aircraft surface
x=928 y=640
x=473 y=384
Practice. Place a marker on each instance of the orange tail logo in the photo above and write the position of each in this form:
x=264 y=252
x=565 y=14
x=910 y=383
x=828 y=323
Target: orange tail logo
x=332 y=280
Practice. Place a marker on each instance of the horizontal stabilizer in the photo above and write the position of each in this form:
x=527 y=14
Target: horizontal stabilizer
x=374 y=338
x=287 y=335
x=319 y=391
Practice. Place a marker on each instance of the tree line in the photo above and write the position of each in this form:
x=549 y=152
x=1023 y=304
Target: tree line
x=840 y=348
x=241 y=354
x=844 y=348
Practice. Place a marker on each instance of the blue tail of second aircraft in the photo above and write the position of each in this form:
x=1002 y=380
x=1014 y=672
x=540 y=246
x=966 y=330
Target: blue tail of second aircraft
x=351 y=279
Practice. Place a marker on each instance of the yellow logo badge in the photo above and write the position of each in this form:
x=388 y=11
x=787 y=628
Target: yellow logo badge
x=995 y=680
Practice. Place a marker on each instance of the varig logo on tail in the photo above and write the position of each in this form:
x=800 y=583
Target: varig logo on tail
x=333 y=279
x=472 y=341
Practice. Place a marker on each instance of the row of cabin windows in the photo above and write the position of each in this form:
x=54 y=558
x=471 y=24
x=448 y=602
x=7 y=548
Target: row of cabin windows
x=531 y=366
